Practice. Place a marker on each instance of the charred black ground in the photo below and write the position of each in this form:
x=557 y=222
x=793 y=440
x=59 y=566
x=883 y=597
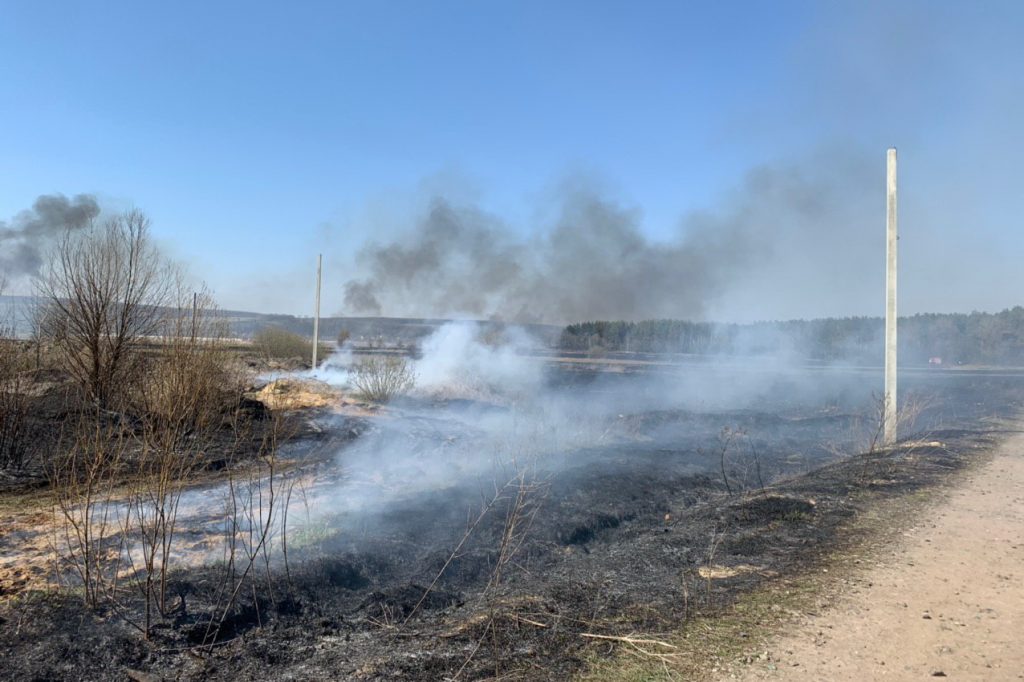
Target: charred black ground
x=610 y=541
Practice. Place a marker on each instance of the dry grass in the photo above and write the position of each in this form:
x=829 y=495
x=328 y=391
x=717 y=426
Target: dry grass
x=293 y=394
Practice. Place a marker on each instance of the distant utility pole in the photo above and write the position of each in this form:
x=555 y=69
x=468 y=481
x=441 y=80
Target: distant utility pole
x=195 y=314
x=316 y=315
x=891 y=243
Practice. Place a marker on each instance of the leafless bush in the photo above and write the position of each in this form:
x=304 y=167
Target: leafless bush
x=83 y=478
x=379 y=379
x=179 y=403
x=14 y=404
x=275 y=343
x=14 y=437
x=739 y=461
x=740 y=448
x=149 y=357
x=256 y=513
x=187 y=385
x=725 y=441
x=519 y=498
x=172 y=414
x=105 y=288
x=907 y=414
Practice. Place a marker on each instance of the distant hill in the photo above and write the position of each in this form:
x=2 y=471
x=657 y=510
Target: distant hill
x=16 y=313
x=948 y=338
x=390 y=329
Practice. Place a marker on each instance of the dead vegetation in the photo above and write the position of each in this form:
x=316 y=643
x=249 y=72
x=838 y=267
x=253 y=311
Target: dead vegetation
x=722 y=641
x=15 y=364
x=292 y=394
x=531 y=575
x=274 y=343
x=15 y=439
x=379 y=379
x=128 y=383
x=621 y=564
x=102 y=292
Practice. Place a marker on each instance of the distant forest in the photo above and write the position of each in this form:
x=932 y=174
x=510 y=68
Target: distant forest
x=952 y=339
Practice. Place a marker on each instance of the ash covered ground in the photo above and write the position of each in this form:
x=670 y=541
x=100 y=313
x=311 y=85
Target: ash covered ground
x=479 y=527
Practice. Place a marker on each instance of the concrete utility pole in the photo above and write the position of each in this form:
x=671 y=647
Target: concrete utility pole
x=891 y=243
x=316 y=315
x=195 y=313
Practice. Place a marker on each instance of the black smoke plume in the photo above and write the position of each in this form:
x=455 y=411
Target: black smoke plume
x=594 y=261
x=24 y=238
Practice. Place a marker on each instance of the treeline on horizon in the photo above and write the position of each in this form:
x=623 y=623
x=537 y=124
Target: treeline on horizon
x=952 y=338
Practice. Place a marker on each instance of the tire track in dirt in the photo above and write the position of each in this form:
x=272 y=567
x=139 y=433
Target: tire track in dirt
x=948 y=602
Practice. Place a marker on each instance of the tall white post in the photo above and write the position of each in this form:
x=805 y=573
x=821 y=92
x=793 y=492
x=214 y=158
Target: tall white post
x=891 y=242
x=316 y=314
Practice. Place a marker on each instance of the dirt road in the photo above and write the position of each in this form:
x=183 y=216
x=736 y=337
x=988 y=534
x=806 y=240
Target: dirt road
x=947 y=602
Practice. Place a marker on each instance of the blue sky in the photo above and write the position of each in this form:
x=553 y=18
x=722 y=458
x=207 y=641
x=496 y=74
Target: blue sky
x=255 y=134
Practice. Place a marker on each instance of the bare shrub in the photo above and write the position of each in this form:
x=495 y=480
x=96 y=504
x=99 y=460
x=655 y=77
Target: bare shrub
x=725 y=440
x=173 y=414
x=14 y=438
x=519 y=499
x=14 y=405
x=161 y=398
x=907 y=414
x=104 y=289
x=275 y=343
x=83 y=478
x=379 y=379
x=256 y=514
x=179 y=402
x=188 y=384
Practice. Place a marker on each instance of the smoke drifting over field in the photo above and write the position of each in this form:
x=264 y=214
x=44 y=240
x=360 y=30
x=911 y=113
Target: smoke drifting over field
x=23 y=240
x=482 y=409
x=595 y=261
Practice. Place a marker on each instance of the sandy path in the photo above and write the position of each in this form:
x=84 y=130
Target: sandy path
x=948 y=602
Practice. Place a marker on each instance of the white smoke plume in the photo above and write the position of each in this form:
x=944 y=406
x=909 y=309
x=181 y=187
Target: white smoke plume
x=462 y=360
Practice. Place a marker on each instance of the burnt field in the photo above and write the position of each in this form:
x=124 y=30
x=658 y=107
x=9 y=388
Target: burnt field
x=473 y=533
